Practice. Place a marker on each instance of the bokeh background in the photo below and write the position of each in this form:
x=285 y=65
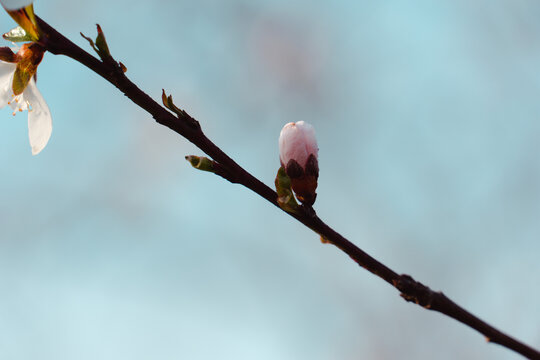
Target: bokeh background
x=428 y=122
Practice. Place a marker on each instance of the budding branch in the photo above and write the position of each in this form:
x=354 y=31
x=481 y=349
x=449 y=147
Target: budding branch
x=183 y=124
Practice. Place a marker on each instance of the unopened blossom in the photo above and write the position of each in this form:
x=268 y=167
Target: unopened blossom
x=28 y=99
x=298 y=154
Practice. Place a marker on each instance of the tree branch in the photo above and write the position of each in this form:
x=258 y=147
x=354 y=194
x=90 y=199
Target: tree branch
x=183 y=124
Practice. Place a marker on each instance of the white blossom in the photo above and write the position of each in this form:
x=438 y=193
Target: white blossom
x=39 y=116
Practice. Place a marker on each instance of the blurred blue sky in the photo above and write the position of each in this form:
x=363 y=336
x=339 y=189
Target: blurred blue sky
x=427 y=115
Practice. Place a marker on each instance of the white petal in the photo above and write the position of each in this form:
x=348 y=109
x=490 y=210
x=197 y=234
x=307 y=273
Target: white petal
x=283 y=143
x=297 y=141
x=6 y=78
x=309 y=138
x=15 y=4
x=39 y=118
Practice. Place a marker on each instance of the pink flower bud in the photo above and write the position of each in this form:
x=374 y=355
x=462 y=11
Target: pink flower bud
x=298 y=153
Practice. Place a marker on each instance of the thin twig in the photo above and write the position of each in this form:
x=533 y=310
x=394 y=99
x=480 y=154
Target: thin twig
x=410 y=289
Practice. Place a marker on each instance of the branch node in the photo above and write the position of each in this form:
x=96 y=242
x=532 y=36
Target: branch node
x=309 y=210
x=414 y=291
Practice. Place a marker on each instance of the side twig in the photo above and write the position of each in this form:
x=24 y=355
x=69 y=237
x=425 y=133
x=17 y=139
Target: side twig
x=183 y=124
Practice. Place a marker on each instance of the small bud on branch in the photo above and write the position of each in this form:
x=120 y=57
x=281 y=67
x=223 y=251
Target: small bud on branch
x=100 y=45
x=201 y=163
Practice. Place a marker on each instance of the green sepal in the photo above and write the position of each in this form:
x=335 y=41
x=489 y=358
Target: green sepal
x=285 y=198
x=201 y=163
x=21 y=78
x=17 y=35
x=30 y=56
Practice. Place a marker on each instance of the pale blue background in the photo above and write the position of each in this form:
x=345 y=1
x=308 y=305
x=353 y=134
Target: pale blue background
x=428 y=121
